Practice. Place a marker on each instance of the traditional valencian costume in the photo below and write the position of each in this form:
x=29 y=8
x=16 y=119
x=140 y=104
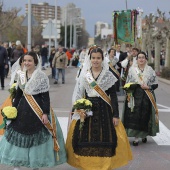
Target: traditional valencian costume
x=99 y=145
x=27 y=141
x=140 y=115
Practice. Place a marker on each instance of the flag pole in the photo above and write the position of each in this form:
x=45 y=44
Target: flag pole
x=126 y=4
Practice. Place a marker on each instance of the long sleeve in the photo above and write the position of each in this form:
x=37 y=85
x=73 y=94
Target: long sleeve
x=18 y=96
x=124 y=63
x=114 y=101
x=54 y=61
x=154 y=86
x=45 y=98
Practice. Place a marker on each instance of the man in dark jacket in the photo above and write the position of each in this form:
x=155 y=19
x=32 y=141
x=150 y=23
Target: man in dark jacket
x=44 y=54
x=3 y=64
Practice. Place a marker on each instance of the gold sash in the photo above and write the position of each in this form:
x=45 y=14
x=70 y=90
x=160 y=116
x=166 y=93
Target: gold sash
x=114 y=70
x=38 y=111
x=151 y=97
x=97 y=88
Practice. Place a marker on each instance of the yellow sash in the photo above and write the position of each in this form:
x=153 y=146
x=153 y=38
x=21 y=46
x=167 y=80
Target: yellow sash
x=114 y=70
x=38 y=111
x=152 y=99
x=97 y=88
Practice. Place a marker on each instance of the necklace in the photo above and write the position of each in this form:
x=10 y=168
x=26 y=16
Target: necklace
x=141 y=69
x=97 y=74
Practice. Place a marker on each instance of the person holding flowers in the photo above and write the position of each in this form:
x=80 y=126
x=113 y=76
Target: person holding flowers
x=96 y=137
x=140 y=114
x=34 y=138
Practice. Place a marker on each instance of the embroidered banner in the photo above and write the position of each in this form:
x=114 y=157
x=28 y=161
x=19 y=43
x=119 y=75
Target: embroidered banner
x=124 y=24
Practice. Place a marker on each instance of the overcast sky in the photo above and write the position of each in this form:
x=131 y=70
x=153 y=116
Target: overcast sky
x=99 y=10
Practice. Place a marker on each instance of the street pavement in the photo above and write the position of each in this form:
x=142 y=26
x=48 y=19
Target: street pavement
x=154 y=155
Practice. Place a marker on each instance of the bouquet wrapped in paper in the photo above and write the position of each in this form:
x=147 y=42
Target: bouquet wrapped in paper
x=83 y=108
x=8 y=114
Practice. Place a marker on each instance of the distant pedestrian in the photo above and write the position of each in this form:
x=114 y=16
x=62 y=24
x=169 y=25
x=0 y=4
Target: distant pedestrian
x=60 y=62
x=17 y=52
x=52 y=54
x=44 y=54
x=3 y=64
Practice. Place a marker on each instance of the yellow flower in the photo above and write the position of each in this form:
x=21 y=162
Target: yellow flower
x=127 y=85
x=13 y=85
x=10 y=112
x=88 y=103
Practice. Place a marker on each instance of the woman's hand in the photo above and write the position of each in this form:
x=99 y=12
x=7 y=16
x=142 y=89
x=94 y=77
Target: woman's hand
x=44 y=119
x=115 y=121
x=144 y=87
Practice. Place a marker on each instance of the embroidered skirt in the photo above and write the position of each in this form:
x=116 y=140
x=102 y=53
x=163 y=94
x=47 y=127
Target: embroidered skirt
x=122 y=155
x=42 y=155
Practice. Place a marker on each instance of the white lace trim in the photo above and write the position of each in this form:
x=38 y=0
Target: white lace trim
x=38 y=83
x=148 y=75
x=105 y=80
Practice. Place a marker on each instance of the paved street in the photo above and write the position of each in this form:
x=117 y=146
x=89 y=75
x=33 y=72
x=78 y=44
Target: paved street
x=155 y=155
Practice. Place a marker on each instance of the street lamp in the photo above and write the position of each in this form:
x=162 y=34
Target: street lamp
x=56 y=24
x=126 y=4
x=29 y=25
x=71 y=22
x=75 y=32
x=66 y=10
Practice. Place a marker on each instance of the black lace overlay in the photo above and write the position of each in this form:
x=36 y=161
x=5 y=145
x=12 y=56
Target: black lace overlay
x=139 y=118
x=27 y=123
x=98 y=137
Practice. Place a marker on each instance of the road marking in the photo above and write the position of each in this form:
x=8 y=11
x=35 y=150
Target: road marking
x=163 y=137
x=163 y=106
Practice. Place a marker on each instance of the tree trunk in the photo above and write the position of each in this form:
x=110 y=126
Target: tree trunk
x=167 y=58
x=157 y=56
x=144 y=43
x=149 y=55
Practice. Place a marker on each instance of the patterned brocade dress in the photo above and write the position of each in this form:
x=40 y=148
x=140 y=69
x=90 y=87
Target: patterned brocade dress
x=99 y=145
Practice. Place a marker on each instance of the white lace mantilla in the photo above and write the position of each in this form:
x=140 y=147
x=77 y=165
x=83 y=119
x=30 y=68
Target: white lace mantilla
x=148 y=75
x=105 y=80
x=38 y=83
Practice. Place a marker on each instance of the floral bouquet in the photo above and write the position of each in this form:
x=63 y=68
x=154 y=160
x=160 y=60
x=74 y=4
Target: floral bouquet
x=83 y=108
x=129 y=88
x=8 y=113
x=12 y=91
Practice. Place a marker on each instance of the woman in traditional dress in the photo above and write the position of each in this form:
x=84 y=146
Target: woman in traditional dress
x=34 y=139
x=140 y=114
x=112 y=63
x=102 y=142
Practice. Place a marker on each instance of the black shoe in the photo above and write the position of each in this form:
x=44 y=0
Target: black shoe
x=56 y=82
x=63 y=82
x=135 y=143
x=144 y=140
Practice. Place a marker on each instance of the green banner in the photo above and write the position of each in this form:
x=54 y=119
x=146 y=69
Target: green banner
x=124 y=27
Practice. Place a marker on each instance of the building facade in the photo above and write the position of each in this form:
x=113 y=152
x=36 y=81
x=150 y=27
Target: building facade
x=44 y=11
x=99 y=26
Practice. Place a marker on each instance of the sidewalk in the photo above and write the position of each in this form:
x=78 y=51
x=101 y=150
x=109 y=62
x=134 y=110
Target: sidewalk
x=163 y=80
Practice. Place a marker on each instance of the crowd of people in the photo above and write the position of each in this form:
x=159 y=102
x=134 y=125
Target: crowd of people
x=102 y=142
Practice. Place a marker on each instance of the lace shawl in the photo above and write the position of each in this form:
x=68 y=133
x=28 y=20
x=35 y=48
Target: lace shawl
x=105 y=80
x=148 y=75
x=38 y=83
